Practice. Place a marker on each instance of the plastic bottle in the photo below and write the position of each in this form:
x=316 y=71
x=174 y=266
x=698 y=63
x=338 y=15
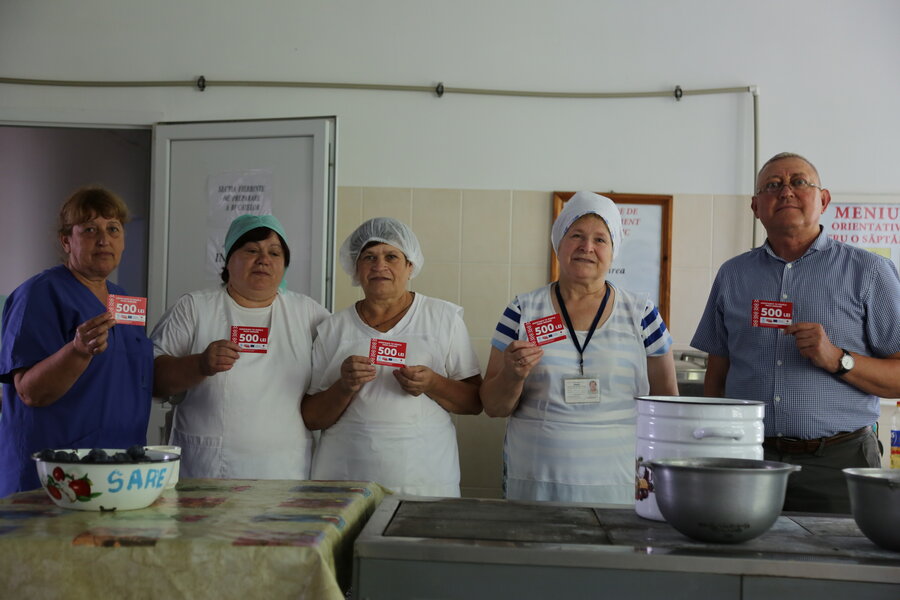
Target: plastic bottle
x=895 y=438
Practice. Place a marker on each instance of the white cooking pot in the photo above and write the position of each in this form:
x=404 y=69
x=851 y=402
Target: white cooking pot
x=678 y=427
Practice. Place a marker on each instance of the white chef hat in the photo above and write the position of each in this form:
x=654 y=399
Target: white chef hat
x=387 y=231
x=588 y=203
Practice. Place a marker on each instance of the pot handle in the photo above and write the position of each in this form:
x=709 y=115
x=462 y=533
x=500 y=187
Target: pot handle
x=718 y=432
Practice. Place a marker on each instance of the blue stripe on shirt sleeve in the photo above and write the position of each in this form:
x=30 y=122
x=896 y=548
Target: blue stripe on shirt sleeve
x=499 y=344
x=503 y=329
x=653 y=337
x=512 y=315
x=649 y=318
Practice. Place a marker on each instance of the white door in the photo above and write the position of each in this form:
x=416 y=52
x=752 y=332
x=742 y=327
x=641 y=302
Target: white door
x=297 y=157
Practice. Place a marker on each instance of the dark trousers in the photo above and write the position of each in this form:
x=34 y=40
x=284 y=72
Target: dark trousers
x=820 y=485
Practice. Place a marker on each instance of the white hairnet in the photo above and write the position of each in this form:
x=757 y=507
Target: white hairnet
x=588 y=203
x=387 y=231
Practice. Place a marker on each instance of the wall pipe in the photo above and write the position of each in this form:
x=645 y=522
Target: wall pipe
x=755 y=91
x=201 y=83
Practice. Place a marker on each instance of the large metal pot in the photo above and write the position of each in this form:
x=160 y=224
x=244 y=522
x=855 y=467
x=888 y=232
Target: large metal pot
x=875 y=503
x=677 y=427
x=723 y=500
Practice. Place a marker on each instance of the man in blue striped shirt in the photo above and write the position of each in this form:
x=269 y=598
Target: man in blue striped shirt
x=810 y=326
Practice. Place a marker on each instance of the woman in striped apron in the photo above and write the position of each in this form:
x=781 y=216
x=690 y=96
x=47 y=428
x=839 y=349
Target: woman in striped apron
x=567 y=360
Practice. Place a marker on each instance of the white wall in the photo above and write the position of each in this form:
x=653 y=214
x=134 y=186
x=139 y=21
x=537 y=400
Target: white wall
x=40 y=167
x=826 y=71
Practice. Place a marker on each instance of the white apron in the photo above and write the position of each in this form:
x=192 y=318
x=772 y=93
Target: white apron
x=246 y=422
x=406 y=443
x=421 y=460
x=565 y=452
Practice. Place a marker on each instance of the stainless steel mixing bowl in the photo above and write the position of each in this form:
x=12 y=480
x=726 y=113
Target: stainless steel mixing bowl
x=875 y=503
x=724 y=500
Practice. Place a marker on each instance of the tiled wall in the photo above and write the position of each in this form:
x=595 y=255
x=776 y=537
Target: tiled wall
x=483 y=247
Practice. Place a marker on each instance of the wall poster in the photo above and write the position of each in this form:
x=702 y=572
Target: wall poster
x=875 y=227
x=643 y=263
x=232 y=194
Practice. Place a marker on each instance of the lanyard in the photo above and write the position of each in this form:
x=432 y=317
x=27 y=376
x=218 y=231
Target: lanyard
x=590 y=333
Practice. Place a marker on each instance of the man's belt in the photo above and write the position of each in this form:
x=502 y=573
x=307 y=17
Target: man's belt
x=786 y=445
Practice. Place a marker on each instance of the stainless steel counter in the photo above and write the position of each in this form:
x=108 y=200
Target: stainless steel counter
x=467 y=548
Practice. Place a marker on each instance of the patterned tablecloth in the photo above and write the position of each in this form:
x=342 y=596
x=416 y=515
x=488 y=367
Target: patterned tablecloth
x=206 y=538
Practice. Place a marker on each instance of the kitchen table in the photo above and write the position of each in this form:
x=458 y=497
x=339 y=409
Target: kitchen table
x=469 y=549
x=207 y=538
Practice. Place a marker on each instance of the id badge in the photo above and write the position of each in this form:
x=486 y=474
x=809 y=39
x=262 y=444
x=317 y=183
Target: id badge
x=251 y=339
x=582 y=390
x=127 y=310
x=769 y=313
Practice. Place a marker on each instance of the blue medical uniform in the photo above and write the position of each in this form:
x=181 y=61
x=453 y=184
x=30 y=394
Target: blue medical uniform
x=107 y=407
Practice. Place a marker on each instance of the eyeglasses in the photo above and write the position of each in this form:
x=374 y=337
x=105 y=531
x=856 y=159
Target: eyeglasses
x=798 y=185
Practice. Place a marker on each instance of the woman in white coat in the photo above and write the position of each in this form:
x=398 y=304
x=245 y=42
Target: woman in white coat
x=240 y=354
x=389 y=371
x=570 y=436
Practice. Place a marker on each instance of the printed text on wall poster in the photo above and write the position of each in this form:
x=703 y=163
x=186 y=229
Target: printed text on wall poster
x=230 y=195
x=875 y=227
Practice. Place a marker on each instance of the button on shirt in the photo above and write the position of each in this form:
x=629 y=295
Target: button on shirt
x=853 y=293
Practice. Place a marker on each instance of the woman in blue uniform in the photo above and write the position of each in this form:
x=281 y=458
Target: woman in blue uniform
x=70 y=378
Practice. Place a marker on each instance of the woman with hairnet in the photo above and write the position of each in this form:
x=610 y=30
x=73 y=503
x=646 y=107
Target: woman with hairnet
x=389 y=371
x=240 y=353
x=566 y=363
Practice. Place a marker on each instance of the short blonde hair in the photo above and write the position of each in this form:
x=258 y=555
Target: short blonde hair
x=88 y=202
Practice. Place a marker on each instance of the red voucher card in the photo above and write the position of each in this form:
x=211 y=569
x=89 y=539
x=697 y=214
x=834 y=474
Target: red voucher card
x=251 y=339
x=128 y=310
x=546 y=330
x=387 y=353
x=769 y=313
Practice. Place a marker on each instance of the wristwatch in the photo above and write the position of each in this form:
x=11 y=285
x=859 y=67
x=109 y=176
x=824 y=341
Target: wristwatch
x=846 y=363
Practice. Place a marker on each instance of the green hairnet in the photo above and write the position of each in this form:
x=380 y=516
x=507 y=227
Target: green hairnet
x=245 y=223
